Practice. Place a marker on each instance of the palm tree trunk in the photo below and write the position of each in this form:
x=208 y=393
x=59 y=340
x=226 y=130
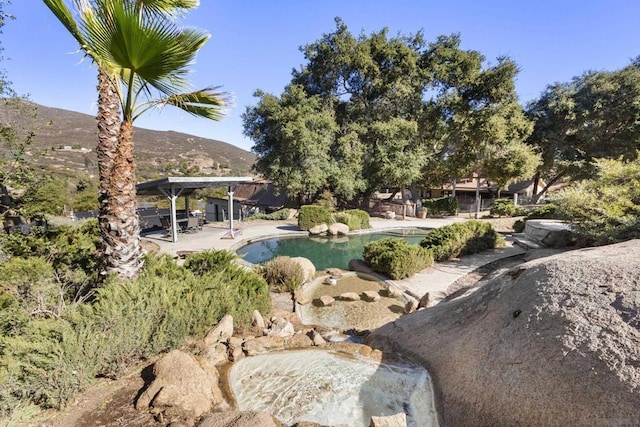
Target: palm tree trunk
x=119 y=230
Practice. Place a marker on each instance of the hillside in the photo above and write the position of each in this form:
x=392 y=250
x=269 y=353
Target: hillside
x=65 y=144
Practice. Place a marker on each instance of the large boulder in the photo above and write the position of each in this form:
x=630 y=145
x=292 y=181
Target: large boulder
x=318 y=229
x=549 y=232
x=183 y=388
x=338 y=229
x=308 y=269
x=555 y=341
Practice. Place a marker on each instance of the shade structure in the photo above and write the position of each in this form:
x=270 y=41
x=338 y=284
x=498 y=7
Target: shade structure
x=174 y=186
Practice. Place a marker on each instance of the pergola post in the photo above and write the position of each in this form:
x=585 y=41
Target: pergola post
x=230 y=194
x=172 y=194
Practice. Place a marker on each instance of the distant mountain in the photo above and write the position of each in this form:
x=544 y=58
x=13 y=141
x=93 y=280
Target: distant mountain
x=66 y=140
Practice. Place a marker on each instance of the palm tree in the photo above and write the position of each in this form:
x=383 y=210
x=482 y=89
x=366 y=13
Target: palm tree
x=138 y=50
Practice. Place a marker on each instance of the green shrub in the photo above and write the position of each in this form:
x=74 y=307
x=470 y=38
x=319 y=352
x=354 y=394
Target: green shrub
x=212 y=260
x=282 y=274
x=356 y=219
x=518 y=226
x=505 y=207
x=395 y=258
x=71 y=251
x=33 y=283
x=440 y=206
x=548 y=211
x=461 y=238
x=280 y=215
x=310 y=216
x=48 y=361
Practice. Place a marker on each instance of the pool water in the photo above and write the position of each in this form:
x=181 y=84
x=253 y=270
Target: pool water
x=323 y=252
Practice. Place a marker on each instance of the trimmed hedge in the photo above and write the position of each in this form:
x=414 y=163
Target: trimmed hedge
x=395 y=258
x=356 y=219
x=462 y=238
x=280 y=215
x=312 y=215
x=441 y=205
x=505 y=207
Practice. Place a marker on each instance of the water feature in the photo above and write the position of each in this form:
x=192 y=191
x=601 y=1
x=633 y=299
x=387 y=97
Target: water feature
x=360 y=315
x=324 y=252
x=328 y=388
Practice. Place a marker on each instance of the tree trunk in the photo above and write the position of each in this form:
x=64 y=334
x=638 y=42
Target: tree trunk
x=536 y=197
x=119 y=230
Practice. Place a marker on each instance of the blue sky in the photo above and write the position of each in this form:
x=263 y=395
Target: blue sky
x=254 y=45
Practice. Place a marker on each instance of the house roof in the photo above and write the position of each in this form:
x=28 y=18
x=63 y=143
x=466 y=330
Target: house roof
x=187 y=184
x=262 y=194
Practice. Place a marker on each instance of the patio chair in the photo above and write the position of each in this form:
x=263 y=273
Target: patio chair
x=192 y=225
x=166 y=224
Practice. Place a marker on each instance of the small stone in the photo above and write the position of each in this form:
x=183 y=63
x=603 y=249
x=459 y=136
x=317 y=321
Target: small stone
x=350 y=296
x=370 y=296
x=261 y=345
x=424 y=301
x=336 y=273
x=299 y=340
x=393 y=292
x=395 y=420
x=217 y=355
x=411 y=306
x=221 y=332
x=257 y=320
x=317 y=339
x=326 y=300
x=280 y=327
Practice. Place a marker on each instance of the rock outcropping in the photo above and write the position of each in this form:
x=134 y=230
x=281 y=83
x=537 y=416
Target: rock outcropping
x=555 y=341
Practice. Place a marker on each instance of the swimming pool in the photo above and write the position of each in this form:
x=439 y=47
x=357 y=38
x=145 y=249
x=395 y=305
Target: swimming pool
x=323 y=252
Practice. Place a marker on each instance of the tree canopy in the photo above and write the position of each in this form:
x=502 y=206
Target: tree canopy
x=378 y=111
x=596 y=115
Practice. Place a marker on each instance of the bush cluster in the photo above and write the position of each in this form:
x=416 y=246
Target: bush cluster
x=280 y=215
x=395 y=258
x=461 y=238
x=548 y=211
x=441 y=205
x=356 y=219
x=282 y=274
x=505 y=207
x=47 y=359
x=311 y=215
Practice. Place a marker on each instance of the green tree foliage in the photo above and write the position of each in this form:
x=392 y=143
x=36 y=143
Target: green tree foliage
x=48 y=195
x=506 y=164
x=596 y=115
x=373 y=110
x=607 y=208
x=441 y=205
x=482 y=123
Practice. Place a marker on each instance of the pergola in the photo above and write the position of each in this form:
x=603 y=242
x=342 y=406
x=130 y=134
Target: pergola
x=174 y=186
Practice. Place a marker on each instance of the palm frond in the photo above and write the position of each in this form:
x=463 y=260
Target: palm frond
x=170 y=8
x=62 y=12
x=207 y=103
